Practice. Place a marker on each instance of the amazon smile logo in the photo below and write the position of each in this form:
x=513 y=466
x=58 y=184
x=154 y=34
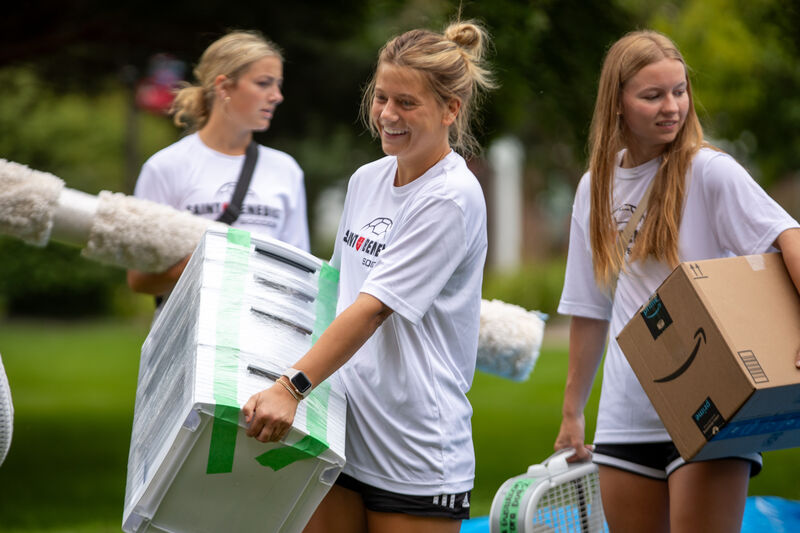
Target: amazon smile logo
x=700 y=338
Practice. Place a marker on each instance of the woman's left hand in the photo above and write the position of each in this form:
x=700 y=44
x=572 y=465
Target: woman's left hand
x=269 y=414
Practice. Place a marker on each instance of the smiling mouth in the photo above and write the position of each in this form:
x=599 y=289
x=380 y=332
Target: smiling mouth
x=667 y=123
x=393 y=132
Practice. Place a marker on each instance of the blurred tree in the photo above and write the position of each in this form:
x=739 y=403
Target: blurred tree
x=746 y=75
x=64 y=103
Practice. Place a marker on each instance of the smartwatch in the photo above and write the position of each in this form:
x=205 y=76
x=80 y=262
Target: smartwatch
x=300 y=382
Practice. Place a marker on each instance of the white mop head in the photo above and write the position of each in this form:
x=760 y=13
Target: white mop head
x=509 y=339
x=6 y=414
x=28 y=201
x=142 y=235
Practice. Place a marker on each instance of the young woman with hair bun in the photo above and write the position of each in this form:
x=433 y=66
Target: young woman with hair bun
x=239 y=78
x=405 y=338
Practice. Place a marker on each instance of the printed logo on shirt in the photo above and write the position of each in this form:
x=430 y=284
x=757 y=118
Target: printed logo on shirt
x=369 y=239
x=253 y=212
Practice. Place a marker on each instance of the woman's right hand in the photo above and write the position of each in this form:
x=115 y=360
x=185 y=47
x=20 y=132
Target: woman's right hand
x=269 y=414
x=572 y=435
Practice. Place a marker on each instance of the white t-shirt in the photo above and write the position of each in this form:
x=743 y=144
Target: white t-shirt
x=188 y=175
x=419 y=249
x=725 y=213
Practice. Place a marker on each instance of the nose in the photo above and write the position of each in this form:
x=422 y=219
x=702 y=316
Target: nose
x=276 y=97
x=388 y=111
x=670 y=104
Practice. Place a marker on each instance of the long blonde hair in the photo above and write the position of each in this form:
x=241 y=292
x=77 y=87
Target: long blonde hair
x=659 y=235
x=230 y=56
x=452 y=64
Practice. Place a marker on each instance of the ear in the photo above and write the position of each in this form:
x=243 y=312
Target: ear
x=221 y=82
x=451 y=112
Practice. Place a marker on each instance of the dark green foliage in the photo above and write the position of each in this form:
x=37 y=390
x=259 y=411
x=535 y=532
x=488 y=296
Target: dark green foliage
x=54 y=281
x=536 y=286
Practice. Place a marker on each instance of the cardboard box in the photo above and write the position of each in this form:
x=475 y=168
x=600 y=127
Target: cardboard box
x=714 y=349
x=246 y=308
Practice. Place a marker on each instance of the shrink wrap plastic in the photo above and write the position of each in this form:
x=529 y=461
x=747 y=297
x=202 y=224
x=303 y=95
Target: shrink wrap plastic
x=245 y=309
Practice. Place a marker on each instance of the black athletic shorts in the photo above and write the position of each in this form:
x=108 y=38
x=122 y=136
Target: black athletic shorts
x=455 y=506
x=655 y=460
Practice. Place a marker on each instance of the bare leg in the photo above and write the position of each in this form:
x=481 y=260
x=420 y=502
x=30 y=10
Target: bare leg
x=633 y=503
x=341 y=511
x=709 y=496
x=406 y=523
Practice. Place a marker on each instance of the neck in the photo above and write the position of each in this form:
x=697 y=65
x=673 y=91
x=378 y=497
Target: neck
x=634 y=157
x=224 y=137
x=408 y=171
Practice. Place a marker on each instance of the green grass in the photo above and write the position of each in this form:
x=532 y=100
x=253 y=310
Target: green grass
x=74 y=384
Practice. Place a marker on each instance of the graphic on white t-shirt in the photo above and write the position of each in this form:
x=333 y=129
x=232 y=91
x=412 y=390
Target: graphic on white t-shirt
x=253 y=211
x=369 y=240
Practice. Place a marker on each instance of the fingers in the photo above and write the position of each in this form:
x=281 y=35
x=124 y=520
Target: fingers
x=249 y=408
x=269 y=414
x=272 y=433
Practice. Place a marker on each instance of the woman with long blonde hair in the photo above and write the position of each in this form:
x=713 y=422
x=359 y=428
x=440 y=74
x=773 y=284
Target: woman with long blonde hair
x=646 y=139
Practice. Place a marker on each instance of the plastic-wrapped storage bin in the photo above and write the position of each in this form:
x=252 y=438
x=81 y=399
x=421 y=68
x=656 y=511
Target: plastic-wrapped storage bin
x=245 y=309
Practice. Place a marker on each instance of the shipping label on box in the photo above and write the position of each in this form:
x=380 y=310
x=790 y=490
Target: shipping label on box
x=714 y=350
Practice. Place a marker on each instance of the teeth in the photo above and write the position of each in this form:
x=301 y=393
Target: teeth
x=393 y=132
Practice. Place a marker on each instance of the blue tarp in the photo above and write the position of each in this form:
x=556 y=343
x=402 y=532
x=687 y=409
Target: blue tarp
x=762 y=514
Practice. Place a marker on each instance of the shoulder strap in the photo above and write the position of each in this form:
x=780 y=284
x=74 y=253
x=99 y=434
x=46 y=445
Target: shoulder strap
x=630 y=227
x=234 y=207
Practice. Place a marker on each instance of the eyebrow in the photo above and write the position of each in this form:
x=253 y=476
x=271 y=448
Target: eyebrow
x=401 y=95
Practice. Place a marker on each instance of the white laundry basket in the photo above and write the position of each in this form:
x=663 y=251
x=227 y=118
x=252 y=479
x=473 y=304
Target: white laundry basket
x=245 y=309
x=552 y=497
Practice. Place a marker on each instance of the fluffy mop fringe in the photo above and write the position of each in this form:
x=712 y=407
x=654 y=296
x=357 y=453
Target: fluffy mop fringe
x=141 y=235
x=509 y=339
x=28 y=200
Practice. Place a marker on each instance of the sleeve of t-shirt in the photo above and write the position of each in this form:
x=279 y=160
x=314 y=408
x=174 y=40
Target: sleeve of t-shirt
x=153 y=185
x=581 y=296
x=295 y=231
x=422 y=253
x=746 y=220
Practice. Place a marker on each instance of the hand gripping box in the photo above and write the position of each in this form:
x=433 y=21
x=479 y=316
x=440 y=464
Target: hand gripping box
x=714 y=349
x=245 y=309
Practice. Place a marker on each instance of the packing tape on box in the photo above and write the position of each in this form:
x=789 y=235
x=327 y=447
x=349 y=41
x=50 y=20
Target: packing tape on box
x=226 y=413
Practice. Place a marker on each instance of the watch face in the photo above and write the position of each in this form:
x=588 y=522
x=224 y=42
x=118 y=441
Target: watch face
x=301 y=382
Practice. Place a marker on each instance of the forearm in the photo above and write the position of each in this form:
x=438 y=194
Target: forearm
x=789 y=244
x=345 y=335
x=156 y=283
x=587 y=339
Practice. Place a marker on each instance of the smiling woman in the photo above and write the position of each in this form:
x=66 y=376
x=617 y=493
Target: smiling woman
x=647 y=144
x=410 y=249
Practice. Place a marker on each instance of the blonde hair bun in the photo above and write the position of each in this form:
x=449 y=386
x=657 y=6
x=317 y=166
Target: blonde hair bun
x=469 y=36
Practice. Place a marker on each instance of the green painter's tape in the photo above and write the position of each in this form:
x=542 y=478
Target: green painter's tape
x=226 y=358
x=509 y=512
x=307 y=448
x=316 y=441
x=327 y=294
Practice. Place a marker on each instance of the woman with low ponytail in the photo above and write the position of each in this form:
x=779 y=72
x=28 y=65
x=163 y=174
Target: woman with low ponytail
x=238 y=89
